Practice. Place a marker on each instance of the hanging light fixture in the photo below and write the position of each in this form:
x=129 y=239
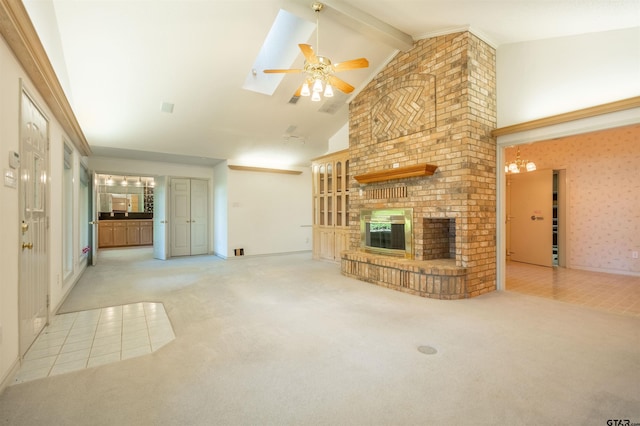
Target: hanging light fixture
x=318 y=74
x=320 y=79
x=517 y=165
x=139 y=182
x=109 y=181
x=124 y=181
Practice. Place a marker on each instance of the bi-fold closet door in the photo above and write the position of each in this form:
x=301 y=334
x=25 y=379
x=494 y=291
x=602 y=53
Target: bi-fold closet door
x=189 y=218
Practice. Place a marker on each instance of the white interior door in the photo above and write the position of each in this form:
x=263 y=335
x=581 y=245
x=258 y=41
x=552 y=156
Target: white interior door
x=530 y=216
x=199 y=217
x=180 y=217
x=95 y=209
x=33 y=283
x=160 y=218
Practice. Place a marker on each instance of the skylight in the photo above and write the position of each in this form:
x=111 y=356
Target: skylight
x=280 y=50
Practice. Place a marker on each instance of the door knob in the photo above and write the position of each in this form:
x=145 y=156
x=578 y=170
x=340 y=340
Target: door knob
x=24 y=226
x=27 y=246
x=94 y=222
x=193 y=221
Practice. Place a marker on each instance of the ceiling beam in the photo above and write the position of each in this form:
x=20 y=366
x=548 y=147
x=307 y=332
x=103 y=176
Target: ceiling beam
x=366 y=24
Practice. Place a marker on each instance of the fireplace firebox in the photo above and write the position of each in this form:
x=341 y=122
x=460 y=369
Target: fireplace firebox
x=387 y=231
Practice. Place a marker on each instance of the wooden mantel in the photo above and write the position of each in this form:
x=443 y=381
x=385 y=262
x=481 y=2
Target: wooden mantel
x=397 y=173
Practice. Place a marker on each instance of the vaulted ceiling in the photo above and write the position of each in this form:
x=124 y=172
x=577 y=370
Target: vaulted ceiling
x=122 y=62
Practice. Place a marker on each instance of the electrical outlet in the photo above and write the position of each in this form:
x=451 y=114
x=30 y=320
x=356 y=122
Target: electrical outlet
x=634 y=254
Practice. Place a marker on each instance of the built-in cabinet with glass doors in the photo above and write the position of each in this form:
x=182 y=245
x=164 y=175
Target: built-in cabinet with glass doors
x=330 y=205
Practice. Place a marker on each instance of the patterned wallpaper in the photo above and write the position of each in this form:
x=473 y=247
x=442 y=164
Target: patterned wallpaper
x=603 y=190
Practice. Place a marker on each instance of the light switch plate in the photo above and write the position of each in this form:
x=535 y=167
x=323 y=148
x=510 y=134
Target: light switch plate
x=10 y=179
x=14 y=160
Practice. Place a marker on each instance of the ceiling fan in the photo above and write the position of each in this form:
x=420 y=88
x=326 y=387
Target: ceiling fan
x=320 y=71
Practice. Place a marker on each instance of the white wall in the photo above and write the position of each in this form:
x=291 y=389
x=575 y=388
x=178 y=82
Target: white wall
x=11 y=74
x=110 y=165
x=269 y=213
x=547 y=77
x=43 y=15
x=220 y=210
x=340 y=140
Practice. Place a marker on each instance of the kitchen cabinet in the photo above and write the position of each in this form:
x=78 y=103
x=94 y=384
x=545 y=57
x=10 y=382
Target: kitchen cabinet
x=133 y=233
x=146 y=233
x=121 y=233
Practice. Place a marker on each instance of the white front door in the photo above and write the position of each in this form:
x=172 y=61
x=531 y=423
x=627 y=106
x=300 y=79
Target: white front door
x=160 y=218
x=95 y=212
x=34 y=255
x=530 y=217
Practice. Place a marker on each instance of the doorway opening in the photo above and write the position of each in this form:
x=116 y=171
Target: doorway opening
x=123 y=212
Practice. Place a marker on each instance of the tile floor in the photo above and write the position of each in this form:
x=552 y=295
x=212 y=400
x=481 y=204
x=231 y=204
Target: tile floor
x=608 y=292
x=87 y=339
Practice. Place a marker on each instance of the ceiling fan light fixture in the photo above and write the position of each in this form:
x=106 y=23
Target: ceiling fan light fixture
x=319 y=70
x=317 y=85
x=328 y=91
x=305 y=90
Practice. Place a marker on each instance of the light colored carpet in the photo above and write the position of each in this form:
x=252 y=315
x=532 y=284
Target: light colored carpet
x=288 y=340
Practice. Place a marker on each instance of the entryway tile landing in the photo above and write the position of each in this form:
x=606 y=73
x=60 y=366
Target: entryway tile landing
x=85 y=339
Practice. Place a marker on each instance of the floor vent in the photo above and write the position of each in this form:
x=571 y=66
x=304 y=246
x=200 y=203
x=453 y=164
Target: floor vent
x=427 y=350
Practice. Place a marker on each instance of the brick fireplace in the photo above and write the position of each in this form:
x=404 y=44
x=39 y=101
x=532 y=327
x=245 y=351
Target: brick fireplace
x=433 y=106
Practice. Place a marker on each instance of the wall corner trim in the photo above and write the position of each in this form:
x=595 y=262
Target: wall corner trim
x=593 y=111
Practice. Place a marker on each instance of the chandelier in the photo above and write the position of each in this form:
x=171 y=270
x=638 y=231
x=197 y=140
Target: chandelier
x=519 y=164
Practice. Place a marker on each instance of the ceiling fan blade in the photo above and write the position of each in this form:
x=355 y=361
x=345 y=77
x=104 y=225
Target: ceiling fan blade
x=340 y=84
x=307 y=51
x=288 y=71
x=351 y=65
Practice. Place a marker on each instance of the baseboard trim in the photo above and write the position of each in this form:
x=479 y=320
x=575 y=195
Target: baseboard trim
x=606 y=271
x=261 y=255
x=6 y=381
x=68 y=290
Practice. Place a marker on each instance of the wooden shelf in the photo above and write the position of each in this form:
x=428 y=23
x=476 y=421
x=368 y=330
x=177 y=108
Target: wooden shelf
x=397 y=173
x=264 y=169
